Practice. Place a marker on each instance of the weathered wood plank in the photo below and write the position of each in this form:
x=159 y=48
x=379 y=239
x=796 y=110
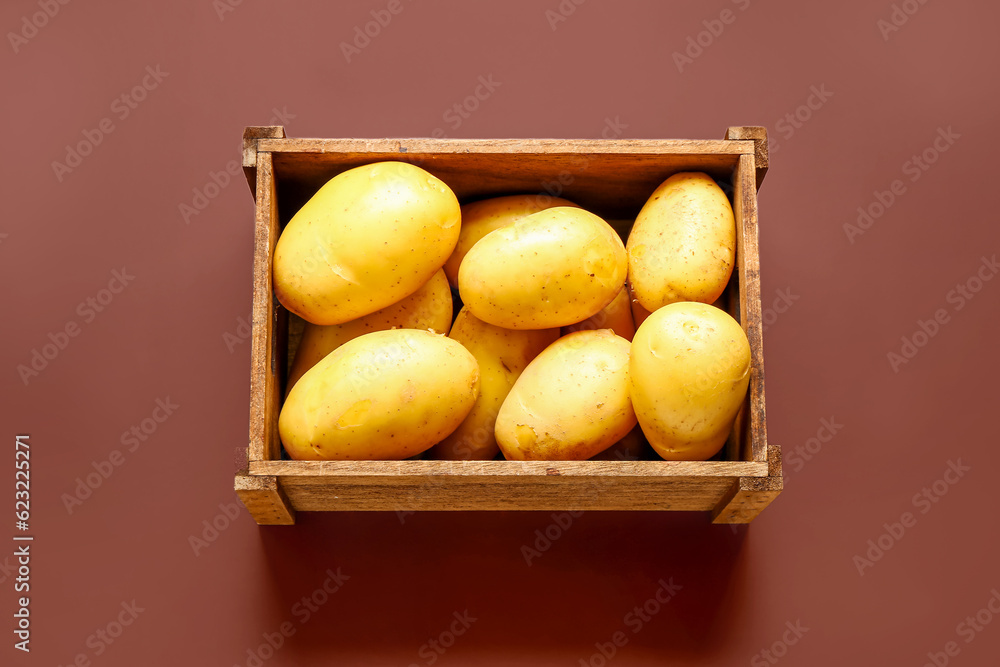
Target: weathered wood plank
x=524 y=493
x=748 y=260
x=268 y=325
x=265 y=500
x=511 y=146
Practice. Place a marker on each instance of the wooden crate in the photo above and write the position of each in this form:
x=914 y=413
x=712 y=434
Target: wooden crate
x=612 y=178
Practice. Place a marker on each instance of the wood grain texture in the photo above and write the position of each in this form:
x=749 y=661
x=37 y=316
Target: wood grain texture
x=265 y=500
x=251 y=135
x=748 y=497
x=501 y=147
x=268 y=337
x=758 y=135
x=514 y=493
x=507 y=485
x=748 y=260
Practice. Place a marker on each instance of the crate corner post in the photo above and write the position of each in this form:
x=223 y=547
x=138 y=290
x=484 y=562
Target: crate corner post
x=264 y=498
x=750 y=495
x=758 y=135
x=251 y=134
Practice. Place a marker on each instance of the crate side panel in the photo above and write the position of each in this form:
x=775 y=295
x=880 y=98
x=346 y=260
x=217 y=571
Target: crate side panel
x=517 y=493
x=267 y=339
x=748 y=261
x=728 y=146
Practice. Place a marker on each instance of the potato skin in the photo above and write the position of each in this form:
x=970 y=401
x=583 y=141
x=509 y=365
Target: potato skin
x=482 y=217
x=616 y=316
x=503 y=354
x=385 y=395
x=430 y=307
x=688 y=375
x=571 y=402
x=369 y=237
x=683 y=244
x=550 y=269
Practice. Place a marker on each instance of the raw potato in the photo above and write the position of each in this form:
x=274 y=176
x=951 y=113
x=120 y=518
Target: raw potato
x=385 y=395
x=430 y=307
x=368 y=238
x=549 y=269
x=688 y=375
x=482 y=217
x=571 y=402
x=683 y=244
x=616 y=316
x=502 y=355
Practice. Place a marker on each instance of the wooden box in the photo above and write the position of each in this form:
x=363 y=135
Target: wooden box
x=612 y=178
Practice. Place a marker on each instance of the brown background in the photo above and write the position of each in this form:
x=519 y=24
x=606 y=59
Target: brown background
x=826 y=357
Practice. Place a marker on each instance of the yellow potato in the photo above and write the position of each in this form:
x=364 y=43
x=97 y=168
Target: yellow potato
x=616 y=316
x=683 y=244
x=502 y=355
x=430 y=307
x=549 y=269
x=385 y=395
x=688 y=376
x=482 y=217
x=368 y=238
x=571 y=402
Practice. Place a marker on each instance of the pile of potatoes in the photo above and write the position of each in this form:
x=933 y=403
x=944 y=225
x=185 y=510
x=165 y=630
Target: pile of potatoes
x=569 y=344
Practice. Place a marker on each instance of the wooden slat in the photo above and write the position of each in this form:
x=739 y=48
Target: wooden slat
x=496 y=472
x=507 y=485
x=516 y=493
x=510 y=146
x=267 y=333
x=265 y=500
x=251 y=135
x=748 y=496
x=748 y=259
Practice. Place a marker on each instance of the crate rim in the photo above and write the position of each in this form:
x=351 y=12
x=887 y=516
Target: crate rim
x=753 y=483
